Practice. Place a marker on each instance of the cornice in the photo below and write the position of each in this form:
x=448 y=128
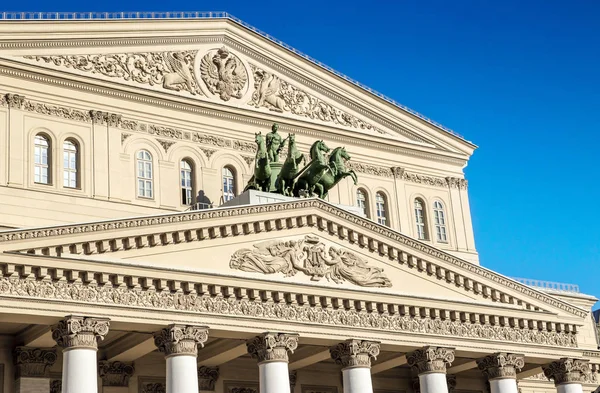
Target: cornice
x=219 y=111
x=155 y=294
x=374 y=237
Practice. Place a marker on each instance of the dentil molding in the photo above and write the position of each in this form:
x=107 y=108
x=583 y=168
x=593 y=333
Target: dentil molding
x=355 y=353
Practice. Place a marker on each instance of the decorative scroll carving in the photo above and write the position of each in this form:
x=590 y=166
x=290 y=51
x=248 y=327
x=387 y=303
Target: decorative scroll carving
x=124 y=136
x=355 y=353
x=278 y=95
x=310 y=257
x=165 y=144
x=244 y=146
x=151 y=299
x=501 y=365
x=34 y=362
x=424 y=179
x=210 y=140
x=57 y=111
x=15 y=101
x=249 y=160
x=115 y=373
x=369 y=169
x=172 y=70
x=181 y=339
x=451 y=382
x=164 y=131
x=106 y=118
x=3 y=101
x=208 y=152
x=240 y=387
x=56 y=386
x=224 y=74
x=430 y=359
x=272 y=347
x=74 y=331
x=207 y=377
x=538 y=377
x=567 y=370
x=153 y=387
x=455 y=182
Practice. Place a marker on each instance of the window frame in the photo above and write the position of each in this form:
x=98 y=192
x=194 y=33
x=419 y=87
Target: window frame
x=227 y=196
x=367 y=207
x=188 y=189
x=147 y=180
x=440 y=228
x=420 y=222
x=77 y=170
x=48 y=167
x=385 y=219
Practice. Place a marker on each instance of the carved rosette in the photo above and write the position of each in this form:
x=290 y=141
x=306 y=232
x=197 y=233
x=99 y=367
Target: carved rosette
x=430 y=359
x=501 y=365
x=181 y=339
x=80 y=332
x=567 y=370
x=115 y=373
x=272 y=347
x=207 y=377
x=34 y=362
x=355 y=353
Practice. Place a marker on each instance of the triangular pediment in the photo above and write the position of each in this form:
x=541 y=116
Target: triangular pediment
x=308 y=244
x=225 y=64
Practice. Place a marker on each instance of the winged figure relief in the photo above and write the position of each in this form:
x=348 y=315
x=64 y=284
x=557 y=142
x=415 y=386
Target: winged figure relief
x=178 y=75
x=224 y=74
x=267 y=92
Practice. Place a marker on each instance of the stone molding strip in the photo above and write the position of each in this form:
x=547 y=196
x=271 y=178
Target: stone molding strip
x=311 y=219
x=159 y=294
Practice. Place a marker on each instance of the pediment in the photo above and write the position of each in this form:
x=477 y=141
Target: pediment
x=230 y=68
x=308 y=243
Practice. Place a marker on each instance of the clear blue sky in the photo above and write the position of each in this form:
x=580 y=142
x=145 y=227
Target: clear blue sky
x=521 y=79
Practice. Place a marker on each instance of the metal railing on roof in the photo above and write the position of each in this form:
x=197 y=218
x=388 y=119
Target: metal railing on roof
x=548 y=285
x=20 y=16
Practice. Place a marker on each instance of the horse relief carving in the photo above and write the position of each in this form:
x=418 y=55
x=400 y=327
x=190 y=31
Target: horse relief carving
x=311 y=257
x=171 y=70
x=224 y=74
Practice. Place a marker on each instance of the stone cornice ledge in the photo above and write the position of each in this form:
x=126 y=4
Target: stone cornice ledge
x=335 y=228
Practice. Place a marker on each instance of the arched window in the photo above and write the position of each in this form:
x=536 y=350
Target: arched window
x=42 y=161
x=439 y=218
x=228 y=184
x=381 y=209
x=70 y=164
x=421 y=219
x=187 y=182
x=362 y=201
x=144 y=174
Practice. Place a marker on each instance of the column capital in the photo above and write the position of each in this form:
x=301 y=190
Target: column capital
x=106 y=118
x=272 y=347
x=207 y=377
x=355 y=353
x=181 y=339
x=115 y=373
x=501 y=365
x=80 y=332
x=34 y=362
x=430 y=359
x=567 y=370
x=15 y=101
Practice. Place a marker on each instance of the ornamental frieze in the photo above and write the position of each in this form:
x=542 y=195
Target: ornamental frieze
x=310 y=257
x=278 y=95
x=57 y=111
x=370 y=169
x=171 y=70
x=151 y=299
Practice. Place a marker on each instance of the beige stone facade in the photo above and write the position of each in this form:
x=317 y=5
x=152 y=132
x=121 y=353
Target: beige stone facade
x=104 y=249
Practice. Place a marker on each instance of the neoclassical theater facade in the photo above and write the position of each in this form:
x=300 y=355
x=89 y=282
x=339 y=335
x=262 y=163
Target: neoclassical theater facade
x=135 y=260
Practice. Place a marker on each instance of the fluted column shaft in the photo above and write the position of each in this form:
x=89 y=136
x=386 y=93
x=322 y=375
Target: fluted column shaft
x=271 y=352
x=79 y=336
x=180 y=343
x=501 y=371
x=568 y=374
x=430 y=365
x=355 y=358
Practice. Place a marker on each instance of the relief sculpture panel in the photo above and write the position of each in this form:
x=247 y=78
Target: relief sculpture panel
x=310 y=257
x=224 y=74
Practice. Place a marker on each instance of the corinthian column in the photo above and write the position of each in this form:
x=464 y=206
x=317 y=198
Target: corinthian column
x=568 y=374
x=355 y=358
x=271 y=352
x=501 y=371
x=79 y=336
x=430 y=364
x=180 y=343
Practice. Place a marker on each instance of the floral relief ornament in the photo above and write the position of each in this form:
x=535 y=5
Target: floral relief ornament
x=430 y=359
x=181 y=339
x=501 y=365
x=271 y=347
x=224 y=74
x=75 y=331
x=355 y=353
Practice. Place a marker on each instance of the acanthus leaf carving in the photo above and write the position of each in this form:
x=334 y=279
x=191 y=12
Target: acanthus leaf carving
x=57 y=111
x=501 y=365
x=124 y=136
x=181 y=339
x=115 y=373
x=224 y=74
x=568 y=370
x=76 y=331
x=249 y=160
x=34 y=362
x=272 y=347
x=310 y=257
x=165 y=144
x=276 y=94
x=171 y=70
x=208 y=152
x=15 y=101
x=153 y=387
x=369 y=169
x=430 y=359
x=207 y=377
x=355 y=353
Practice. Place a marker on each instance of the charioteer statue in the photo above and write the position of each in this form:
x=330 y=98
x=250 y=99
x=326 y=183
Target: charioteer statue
x=316 y=178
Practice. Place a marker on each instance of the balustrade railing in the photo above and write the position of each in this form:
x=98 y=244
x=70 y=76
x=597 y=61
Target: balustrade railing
x=29 y=16
x=548 y=285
